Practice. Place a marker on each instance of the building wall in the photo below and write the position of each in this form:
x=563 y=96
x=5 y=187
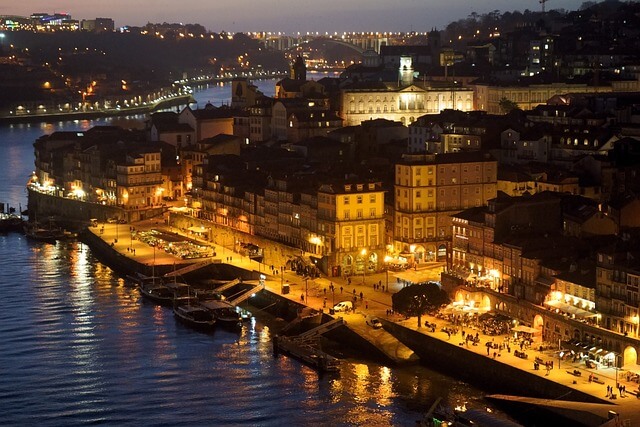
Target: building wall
x=428 y=193
x=401 y=105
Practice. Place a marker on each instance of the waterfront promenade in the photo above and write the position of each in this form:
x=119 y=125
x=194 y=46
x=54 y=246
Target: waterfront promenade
x=316 y=294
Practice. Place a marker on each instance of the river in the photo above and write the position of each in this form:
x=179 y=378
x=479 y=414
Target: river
x=79 y=346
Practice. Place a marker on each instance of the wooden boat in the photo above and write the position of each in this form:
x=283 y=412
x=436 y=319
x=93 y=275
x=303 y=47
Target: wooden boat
x=224 y=312
x=195 y=316
x=306 y=353
x=38 y=232
x=157 y=292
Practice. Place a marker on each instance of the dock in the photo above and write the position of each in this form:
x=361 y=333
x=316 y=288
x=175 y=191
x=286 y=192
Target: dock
x=305 y=348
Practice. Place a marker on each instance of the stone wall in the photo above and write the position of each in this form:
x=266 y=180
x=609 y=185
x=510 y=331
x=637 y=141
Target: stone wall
x=484 y=372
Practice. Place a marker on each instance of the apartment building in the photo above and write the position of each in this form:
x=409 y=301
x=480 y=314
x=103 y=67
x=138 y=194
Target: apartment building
x=429 y=189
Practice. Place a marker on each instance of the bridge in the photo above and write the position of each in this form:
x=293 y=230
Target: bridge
x=356 y=41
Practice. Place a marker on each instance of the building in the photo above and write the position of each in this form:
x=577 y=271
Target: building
x=429 y=190
x=351 y=222
x=617 y=282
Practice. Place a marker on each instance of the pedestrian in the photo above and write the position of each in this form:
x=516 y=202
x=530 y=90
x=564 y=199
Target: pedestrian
x=302 y=297
x=354 y=292
x=325 y=291
x=361 y=296
x=366 y=304
x=341 y=289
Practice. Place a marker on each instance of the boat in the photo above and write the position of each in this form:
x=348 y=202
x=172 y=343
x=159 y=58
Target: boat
x=10 y=222
x=156 y=292
x=41 y=233
x=195 y=316
x=303 y=351
x=224 y=312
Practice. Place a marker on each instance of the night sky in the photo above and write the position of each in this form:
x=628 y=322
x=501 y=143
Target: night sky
x=283 y=15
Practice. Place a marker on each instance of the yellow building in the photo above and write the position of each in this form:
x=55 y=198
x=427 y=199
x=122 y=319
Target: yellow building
x=351 y=220
x=139 y=180
x=429 y=189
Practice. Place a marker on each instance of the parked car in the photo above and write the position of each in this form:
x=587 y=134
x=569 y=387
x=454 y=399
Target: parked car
x=112 y=220
x=374 y=322
x=343 y=306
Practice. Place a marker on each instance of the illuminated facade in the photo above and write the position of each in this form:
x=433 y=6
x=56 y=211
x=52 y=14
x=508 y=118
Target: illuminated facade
x=400 y=103
x=352 y=223
x=617 y=288
x=139 y=180
x=429 y=189
x=488 y=95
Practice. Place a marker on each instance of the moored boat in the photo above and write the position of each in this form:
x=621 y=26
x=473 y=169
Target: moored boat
x=38 y=232
x=10 y=222
x=224 y=312
x=195 y=316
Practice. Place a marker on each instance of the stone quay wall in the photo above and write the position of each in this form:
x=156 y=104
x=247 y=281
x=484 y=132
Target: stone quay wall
x=484 y=372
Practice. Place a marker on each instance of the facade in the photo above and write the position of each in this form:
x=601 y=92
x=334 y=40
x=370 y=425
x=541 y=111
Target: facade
x=399 y=103
x=429 y=189
x=351 y=220
x=139 y=179
x=208 y=121
x=487 y=95
x=617 y=282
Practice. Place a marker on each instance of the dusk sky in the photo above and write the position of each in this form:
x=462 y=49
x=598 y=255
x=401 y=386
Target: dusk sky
x=283 y=15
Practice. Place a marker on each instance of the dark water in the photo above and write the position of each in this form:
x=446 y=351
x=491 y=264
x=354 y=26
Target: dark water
x=79 y=346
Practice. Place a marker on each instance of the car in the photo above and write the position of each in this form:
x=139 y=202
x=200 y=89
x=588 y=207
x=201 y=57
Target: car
x=374 y=322
x=343 y=306
x=112 y=220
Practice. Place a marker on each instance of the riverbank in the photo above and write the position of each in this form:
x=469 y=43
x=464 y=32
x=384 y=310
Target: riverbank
x=499 y=373
x=94 y=114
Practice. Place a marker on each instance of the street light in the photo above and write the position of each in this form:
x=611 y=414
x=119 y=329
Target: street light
x=387 y=260
x=364 y=263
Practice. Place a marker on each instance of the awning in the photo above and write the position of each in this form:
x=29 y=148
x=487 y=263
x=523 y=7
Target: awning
x=200 y=230
x=415 y=276
x=571 y=309
x=525 y=329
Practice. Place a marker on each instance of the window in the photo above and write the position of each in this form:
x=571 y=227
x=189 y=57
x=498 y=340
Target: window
x=372 y=212
x=372 y=198
x=346 y=200
x=346 y=215
x=359 y=200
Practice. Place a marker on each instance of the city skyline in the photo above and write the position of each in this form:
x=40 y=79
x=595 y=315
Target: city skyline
x=329 y=16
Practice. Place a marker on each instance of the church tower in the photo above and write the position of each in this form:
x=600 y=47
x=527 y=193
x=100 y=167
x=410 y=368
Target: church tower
x=299 y=69
x=406 y=70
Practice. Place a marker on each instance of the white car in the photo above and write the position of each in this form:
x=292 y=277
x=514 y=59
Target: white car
x=374 y=322
x=343 y=306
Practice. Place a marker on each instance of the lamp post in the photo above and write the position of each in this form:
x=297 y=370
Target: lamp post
x=559 y=351
x=364 y=263
x=306 y=290
x=387 y=260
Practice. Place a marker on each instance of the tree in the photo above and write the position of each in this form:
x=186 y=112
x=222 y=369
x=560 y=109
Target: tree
x=507 y=106
x=417 y=300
